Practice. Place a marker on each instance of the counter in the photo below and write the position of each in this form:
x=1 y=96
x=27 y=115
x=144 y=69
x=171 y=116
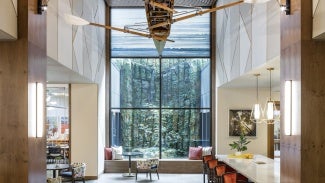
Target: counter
x=259 y=169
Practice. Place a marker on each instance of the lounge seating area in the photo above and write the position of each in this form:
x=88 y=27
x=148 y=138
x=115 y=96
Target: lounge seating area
x=73 y=172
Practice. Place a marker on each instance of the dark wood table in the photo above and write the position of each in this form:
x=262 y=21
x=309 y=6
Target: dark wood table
x=130 y=154
x=56 y=167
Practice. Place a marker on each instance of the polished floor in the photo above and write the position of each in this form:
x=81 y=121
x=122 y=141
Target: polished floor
x=164 y=178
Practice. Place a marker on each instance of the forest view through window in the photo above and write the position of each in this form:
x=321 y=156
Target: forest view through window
x=161 y=106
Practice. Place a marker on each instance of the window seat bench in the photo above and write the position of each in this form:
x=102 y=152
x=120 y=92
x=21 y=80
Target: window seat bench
x=165 y=166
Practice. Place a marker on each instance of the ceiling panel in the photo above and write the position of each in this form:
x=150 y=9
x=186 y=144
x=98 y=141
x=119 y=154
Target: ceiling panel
x=178 y=3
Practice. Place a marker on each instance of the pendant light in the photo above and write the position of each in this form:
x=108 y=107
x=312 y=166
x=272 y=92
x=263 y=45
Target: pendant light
x=256 y=110
x=270 y=105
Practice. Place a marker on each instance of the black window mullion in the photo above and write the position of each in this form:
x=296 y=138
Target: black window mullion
x=160 y=94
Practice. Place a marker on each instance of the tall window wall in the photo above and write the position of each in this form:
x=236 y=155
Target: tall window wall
x=160 y=105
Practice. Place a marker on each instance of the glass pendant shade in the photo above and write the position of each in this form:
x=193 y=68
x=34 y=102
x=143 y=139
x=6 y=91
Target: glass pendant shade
x=270 y=110
x=270 y=105
x=257 y=111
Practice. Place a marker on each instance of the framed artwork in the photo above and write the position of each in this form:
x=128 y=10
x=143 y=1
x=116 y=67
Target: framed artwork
x=240 y=122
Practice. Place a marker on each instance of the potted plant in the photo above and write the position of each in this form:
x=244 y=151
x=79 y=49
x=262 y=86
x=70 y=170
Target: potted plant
x=240 y=145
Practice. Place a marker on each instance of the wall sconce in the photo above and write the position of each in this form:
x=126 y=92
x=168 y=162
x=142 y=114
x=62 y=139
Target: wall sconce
x=35 y=110
x=288 y=107
x=285 y=7
x=41 y=6
x=39 y=109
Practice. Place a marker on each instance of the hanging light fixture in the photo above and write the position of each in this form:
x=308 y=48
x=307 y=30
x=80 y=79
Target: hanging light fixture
x=256 y=110
x=270 y=104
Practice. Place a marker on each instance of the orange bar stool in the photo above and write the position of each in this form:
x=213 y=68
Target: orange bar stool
x=230 y=177
x=219 y=171
x=211 y=172
x=205 y=160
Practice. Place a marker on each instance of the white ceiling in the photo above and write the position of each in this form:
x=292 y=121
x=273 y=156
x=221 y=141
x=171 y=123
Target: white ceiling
x=248 y=80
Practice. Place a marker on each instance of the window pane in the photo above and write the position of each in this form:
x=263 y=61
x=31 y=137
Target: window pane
x=182 y=129
x=185 y=83
x=125 y=45
x=136 y=130
x=191 y=36
x=135 y=83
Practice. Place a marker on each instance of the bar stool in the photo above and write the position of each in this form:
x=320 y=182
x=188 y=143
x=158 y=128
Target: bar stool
x=211 y=166
x=205 y=160
x=219 y=171
x=230 y=177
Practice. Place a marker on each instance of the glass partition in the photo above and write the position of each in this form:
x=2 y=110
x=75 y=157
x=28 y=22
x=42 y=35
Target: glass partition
x=58 y=123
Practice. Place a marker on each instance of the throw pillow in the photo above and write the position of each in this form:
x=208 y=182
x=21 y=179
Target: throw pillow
x=108 y=153
x=195 y=153
x=117 y=153
x=206 y=151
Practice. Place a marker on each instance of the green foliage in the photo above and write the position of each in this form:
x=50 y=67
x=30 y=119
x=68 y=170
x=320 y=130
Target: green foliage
x=240 y=145
x=155 y=90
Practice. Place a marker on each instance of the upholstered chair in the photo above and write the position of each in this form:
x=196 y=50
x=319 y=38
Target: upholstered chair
x=76 y=172
x=154 y=165
x=147 y=166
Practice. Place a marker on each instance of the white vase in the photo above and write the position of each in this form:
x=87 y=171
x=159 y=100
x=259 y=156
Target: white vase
x=237 y=153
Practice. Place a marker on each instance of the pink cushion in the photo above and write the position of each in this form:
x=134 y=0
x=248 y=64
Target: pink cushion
x=195 y=153
x=108 y=153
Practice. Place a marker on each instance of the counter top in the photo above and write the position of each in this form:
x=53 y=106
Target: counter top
x=259 y=169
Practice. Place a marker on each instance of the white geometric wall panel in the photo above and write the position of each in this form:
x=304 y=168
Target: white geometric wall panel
x=64 y=34
x=8 y=19
x=248 y=36
x=79 y=48
x=318 y=19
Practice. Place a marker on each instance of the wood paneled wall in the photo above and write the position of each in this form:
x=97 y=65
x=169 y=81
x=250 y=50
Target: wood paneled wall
x=37 y=63
x=303 y=61
x=21 y=61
